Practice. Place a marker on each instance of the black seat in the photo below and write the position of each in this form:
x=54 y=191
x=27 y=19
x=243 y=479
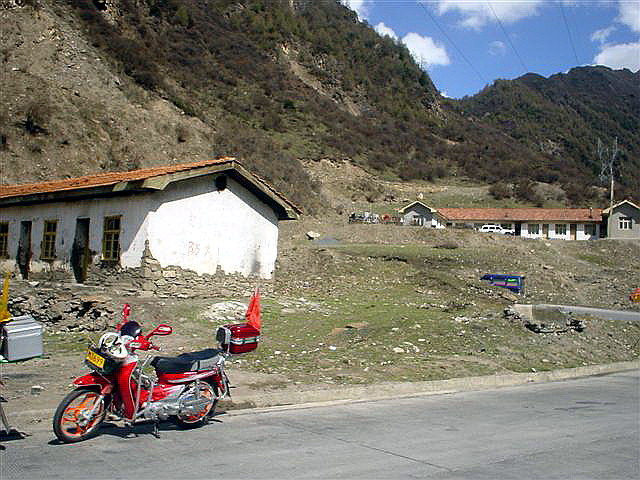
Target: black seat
x=188 y=362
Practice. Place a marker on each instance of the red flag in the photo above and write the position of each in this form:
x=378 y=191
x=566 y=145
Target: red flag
x=253 y=311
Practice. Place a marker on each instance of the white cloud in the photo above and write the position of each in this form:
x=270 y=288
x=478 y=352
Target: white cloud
x=602 y=35
x=629 y=14
x=425 y=51
x=359 y=6
x=476 y=15
x=497 y=48
x=383 y=30
x=624 y=55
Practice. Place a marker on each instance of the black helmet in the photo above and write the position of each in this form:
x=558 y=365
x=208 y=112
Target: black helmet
x=131 y=328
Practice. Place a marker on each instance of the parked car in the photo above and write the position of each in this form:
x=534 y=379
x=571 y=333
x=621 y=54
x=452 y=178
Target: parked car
x=491 y=228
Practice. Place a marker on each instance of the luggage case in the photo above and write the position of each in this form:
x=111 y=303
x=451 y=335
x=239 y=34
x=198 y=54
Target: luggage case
x=238 y=338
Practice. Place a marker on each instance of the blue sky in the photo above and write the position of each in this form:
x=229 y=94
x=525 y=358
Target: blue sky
x=465 y=44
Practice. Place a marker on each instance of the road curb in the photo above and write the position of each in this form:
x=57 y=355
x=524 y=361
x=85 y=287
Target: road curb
x=272 y=401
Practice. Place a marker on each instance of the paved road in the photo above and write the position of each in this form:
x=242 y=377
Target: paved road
x=579 y=429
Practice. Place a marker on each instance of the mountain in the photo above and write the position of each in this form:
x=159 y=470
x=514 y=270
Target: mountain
x=103 y=85
x=563 y=117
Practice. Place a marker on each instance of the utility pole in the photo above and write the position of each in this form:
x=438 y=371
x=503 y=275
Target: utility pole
x=607 y=157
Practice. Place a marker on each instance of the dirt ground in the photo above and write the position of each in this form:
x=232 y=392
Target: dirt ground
x=428 y=304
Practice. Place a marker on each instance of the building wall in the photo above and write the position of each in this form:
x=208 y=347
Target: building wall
x=555 y=234
x=419 y=215
x=189 y=224
x=627 y=211
x=231 y=229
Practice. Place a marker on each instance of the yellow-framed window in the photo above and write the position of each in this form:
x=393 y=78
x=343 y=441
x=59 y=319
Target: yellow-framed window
x=48 y=249
x=4 y=239
x=111 y=239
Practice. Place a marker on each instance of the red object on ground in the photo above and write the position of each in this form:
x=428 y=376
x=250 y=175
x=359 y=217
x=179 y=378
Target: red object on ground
x=253 y=311
x=635 y=296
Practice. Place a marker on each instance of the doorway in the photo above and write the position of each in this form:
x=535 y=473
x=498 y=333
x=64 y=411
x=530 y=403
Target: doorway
x=573 y=229
x=80 y=250
x=24 y=249
x=518 y=229
x=545 y=230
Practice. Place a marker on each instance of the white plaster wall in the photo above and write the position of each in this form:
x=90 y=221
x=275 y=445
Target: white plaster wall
x=580 y=232
x=198 y=228
x=66 y=214
x=189 y=224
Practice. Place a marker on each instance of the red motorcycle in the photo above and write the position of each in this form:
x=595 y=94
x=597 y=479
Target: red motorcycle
x=185 y=388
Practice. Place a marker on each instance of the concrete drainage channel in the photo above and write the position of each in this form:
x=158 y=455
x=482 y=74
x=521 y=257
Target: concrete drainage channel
x=543 y=312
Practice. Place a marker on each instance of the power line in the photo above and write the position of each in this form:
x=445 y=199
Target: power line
x=484 y=81
x=508 y=38
x=566 y=24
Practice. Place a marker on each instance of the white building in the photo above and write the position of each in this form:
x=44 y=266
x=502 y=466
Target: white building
x=200 y=216
x=550 y=223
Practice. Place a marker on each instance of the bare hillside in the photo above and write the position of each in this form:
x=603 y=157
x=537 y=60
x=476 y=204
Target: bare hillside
x=65 y=112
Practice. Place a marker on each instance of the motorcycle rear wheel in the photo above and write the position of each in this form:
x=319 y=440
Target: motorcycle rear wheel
x=69 y=425
x=200 y=418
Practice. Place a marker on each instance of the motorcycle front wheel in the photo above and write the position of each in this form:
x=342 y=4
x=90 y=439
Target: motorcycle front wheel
x=71 y=422
x=199 y=418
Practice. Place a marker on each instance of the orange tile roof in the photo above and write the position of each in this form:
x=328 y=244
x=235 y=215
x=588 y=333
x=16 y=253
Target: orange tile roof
x=103 y=179
x=523 y=214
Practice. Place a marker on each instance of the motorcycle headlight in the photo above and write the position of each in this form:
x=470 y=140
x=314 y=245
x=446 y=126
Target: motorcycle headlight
x=114 y=345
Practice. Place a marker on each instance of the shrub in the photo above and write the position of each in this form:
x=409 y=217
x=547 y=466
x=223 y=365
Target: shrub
x=36 y=117
x=500 y=191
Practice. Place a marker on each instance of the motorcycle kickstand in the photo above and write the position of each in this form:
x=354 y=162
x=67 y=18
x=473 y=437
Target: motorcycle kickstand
x=132 y=429
x=156 y=430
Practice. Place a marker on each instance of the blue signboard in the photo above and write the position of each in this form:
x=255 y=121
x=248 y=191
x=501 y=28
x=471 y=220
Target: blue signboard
x=515 y=283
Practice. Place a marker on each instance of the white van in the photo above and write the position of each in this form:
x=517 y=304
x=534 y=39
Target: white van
x=492 y=228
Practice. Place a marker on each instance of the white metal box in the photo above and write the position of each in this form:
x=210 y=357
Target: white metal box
x=21 y=338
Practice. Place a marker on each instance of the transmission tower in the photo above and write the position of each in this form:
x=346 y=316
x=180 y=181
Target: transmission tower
x=607 y=157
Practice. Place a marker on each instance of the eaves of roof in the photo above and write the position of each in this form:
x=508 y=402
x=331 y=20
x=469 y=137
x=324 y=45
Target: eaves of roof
x=523 y=214
x=143 y=180
x=417 y=202
x=607 y=210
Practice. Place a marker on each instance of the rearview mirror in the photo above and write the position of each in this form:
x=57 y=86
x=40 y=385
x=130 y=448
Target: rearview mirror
x=161 y=329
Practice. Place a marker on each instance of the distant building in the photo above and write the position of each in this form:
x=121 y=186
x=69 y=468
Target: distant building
x=204 y=216
x=551 y=223
x=421 y=214
x=623 y=220
x=560 y=223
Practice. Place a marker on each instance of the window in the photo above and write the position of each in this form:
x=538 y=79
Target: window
x=561 y=228
x=534 y=228
x=625 y=223
x=48 y=246
x=111 y=239
x=4 y=239
x=506 y=226
x=589 y=229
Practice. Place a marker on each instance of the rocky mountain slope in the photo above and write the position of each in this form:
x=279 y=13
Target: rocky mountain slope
x=102 y=85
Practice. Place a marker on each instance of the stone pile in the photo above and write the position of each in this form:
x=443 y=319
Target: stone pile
x=64 y=310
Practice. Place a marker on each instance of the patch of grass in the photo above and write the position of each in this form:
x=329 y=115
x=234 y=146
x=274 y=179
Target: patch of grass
x=68 y=342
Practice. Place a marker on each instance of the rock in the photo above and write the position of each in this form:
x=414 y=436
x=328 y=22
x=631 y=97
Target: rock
x=311 y=235
x=398 y=350
x=36 y=389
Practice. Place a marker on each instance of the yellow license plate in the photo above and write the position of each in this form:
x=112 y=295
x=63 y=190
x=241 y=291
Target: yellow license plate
x=94 y=358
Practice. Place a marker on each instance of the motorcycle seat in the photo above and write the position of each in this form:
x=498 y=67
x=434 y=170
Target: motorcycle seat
x=188 y=362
